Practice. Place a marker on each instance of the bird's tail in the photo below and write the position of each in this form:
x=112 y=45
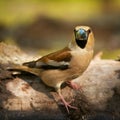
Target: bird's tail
x=31 y=64
x=22 y=68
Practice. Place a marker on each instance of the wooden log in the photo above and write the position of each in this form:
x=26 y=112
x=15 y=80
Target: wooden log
x=24 y=96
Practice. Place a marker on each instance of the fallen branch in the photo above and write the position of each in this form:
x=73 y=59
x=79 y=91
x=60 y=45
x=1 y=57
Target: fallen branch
x=24 y=96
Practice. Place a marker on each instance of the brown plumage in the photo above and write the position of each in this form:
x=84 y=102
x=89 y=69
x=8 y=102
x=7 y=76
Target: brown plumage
x=66 y=64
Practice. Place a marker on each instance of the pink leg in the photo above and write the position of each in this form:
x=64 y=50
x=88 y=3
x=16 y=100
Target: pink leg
x=73 y=85
x=66 y=103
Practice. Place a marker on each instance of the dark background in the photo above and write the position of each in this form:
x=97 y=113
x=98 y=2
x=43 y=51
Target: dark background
x=43 y=26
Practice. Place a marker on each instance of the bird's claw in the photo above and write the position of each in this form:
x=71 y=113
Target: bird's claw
x=67 y=106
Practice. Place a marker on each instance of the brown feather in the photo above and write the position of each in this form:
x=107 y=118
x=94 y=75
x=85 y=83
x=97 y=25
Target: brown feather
x=61 y=55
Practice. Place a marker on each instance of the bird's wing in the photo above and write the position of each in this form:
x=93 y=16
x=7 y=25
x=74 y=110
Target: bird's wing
x=56 y=60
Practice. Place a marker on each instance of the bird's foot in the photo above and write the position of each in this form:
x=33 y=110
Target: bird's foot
x=67 y=106
x=73 y=85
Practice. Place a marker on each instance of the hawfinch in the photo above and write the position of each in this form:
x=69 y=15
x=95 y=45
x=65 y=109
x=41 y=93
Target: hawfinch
x=65 y=65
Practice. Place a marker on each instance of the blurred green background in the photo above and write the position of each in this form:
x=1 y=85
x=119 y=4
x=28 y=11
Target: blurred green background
x=40 y=26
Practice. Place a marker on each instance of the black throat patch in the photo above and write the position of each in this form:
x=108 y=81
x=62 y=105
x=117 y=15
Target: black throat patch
x=81 y=43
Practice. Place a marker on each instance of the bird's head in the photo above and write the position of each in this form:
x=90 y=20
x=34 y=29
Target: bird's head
x=83 y=38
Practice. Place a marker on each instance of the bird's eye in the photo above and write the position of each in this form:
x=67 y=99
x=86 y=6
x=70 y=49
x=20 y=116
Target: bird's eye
x=74 y=30
x=89 y=31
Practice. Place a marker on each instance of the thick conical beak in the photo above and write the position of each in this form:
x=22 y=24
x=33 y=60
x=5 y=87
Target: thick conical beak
x=81 y=37
x=81 y=34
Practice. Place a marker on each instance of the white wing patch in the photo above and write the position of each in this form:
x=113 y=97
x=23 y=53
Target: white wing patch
x=52 y=63
x=57 y=64
x=39 y=64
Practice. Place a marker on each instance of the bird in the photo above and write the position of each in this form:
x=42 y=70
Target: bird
x=64 y=65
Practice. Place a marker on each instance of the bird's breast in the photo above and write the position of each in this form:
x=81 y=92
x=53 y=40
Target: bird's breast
x=77 y=66
x=80 y=61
